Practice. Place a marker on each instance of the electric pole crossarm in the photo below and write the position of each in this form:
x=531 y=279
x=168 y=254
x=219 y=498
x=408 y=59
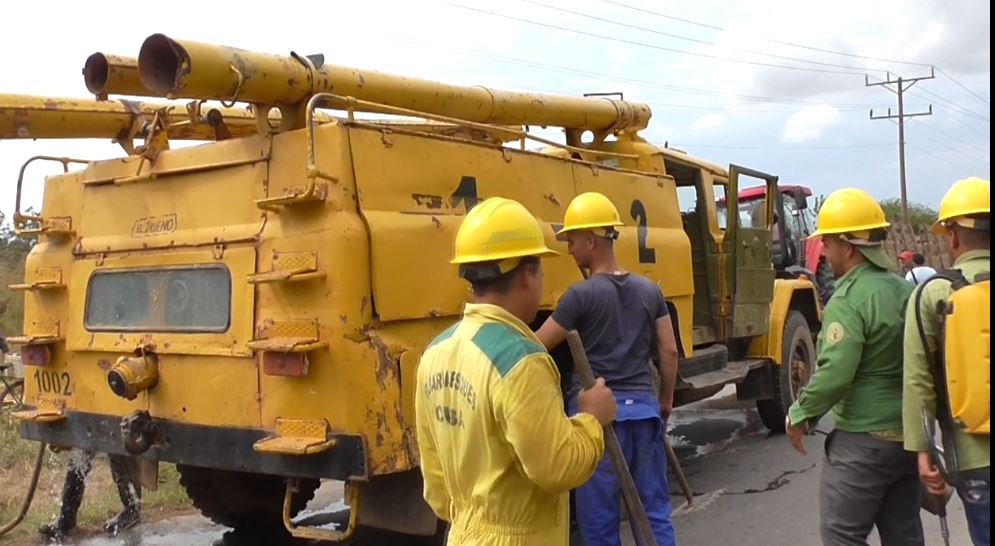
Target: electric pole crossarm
x=899 y=80
x=928 y=112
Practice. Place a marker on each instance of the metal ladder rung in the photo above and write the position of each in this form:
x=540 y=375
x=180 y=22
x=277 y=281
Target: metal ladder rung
x=38 y=285
x=285 y=276
x=287 y=345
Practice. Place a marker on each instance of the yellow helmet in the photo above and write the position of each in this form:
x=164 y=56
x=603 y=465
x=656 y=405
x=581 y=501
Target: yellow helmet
x=590 y=210
x=969 y=196
x=850 y=211
x=499 y=229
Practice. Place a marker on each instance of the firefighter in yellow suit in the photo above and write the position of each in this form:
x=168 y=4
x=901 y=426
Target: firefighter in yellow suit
x=498 y=453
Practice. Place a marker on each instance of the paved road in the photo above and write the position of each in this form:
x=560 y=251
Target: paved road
x=754 y=490
x=750 y=490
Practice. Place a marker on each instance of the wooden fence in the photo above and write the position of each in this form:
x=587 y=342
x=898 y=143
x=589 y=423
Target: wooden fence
x=902 y=237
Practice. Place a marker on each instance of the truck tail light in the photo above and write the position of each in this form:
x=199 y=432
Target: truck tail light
x=35 y=355
x=285 y=364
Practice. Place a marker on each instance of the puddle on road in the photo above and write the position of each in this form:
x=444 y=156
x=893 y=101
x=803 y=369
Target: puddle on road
x=194 y=530
x=696 y=431
x=198 y=533
x=173 y=532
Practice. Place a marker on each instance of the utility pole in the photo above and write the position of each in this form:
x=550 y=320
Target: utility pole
x=901 y=86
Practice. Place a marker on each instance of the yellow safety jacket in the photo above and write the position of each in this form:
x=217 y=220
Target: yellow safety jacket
x=498 y=453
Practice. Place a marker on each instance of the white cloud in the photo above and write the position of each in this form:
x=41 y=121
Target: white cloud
x=438 y=41
x=618 y=53
x=708 y=121
x=808 y=124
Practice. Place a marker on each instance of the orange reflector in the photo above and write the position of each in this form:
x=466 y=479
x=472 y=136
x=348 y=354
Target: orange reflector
x=285 y=364
x=35 y=355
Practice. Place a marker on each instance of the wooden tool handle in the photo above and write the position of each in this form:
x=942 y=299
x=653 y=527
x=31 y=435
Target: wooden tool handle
x=637 y=513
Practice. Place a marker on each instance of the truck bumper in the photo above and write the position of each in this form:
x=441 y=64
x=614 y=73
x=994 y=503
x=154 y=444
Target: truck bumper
x=197 y=445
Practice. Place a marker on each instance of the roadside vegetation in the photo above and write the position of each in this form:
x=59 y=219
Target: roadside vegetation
x=17 y=458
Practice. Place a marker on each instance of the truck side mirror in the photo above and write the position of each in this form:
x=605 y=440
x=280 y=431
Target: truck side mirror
x=801 y=202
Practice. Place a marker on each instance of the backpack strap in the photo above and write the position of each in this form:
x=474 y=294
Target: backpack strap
x=957 y=281
x=938 y=368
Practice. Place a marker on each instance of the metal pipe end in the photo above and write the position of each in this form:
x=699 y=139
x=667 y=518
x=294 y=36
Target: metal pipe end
x=95 y=72
x=162 y=62
x=117 y=383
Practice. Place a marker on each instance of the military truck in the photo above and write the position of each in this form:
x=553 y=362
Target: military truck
x=253 y=309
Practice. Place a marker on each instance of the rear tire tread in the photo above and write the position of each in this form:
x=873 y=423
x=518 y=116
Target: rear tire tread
x=825 y=282
x=242 y=500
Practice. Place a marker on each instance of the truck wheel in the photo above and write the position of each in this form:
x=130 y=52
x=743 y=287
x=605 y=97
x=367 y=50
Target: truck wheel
x=825 y=281
x=242 y=500
x=797 y=364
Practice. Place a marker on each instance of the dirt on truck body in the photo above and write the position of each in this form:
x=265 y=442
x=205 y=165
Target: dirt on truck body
x=252 y=309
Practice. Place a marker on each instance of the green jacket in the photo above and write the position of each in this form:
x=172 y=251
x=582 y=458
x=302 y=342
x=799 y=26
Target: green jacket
x=859 y=373
x=973 y=451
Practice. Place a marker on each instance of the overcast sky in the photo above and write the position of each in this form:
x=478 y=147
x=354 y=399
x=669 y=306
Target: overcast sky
x=714 y=72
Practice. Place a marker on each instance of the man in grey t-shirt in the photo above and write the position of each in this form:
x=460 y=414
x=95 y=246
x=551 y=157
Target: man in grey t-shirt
x=624 y=322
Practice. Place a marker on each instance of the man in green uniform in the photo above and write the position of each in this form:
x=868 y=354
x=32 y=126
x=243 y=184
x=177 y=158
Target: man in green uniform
x=868 y=479
x=965 y=221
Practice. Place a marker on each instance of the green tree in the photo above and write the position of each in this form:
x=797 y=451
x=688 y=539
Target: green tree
x=919 y=214
x=13 y=251
x=817 y=202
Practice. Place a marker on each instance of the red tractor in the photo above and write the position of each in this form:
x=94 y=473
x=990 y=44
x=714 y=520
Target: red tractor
x=792 y=252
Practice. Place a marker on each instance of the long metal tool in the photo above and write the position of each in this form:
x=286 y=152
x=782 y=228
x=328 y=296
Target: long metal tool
x=637 y=513
x=944 y=529
x=675 y=464
x=936 y=457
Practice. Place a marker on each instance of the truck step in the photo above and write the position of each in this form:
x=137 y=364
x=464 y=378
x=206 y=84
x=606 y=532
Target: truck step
x=733 y=372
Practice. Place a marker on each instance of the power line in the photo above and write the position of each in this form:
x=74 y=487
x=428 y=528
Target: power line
x=807 y=47
x=781 y=42
x=967 y=125
x=952 y=105
x=584 y=73
x=782 y=148
x=698 y=54
x=688 y=39
x=650 y=46
x=953 y=138
x=964 y=87
x=696 y=23
x=951 y=148
x=934 y=156
x=733 y=110
x=590 y=74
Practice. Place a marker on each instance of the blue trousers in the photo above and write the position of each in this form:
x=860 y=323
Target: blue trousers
x=599 y=500
x=975 y=492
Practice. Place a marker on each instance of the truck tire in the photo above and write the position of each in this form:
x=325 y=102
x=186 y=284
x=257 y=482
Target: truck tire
x=797 y=364
x=242 y=500
x=825 y=282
